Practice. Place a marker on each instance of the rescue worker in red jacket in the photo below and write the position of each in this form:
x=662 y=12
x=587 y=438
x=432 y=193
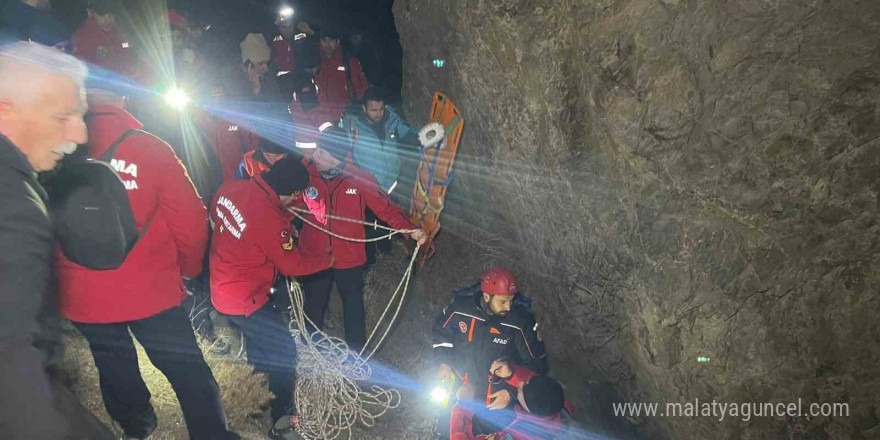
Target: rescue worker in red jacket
x=99 y=41
x=143 y=296
x=310 y=117
x=291 y=32
x=282 y=44
x=252 y=245
x=340 y=189
x=229 y=142
x=484 y=323
x=340 y=79
x=540 y=401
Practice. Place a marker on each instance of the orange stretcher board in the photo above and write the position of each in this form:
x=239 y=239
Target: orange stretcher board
x=435 y=173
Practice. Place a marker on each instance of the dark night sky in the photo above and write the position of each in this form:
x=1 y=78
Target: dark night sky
x=232 y=19
x=371 y=15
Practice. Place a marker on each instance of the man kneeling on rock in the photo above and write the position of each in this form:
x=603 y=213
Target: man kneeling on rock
x=487 y=322
x=252 y=244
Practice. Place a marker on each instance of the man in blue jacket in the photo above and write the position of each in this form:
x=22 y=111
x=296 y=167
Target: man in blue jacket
x=375 y=132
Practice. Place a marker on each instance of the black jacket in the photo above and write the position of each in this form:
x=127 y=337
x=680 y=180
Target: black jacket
x=469 y=340
x=26 y=245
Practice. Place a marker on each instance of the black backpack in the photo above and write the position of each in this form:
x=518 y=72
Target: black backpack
x=307 y=49
x=91 y=214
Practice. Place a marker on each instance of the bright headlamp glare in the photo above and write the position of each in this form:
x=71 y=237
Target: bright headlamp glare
x=176 y=98
x=285 y=13
x=440 y=395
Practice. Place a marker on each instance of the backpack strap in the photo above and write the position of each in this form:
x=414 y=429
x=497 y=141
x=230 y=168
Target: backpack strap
x=108 y=156
x=111 y=150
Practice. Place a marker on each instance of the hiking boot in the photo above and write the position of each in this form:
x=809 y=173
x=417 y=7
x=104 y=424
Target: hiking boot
x=152 y=423
x=285 y=429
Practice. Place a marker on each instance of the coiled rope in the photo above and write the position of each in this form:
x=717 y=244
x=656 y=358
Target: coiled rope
x=331 y=391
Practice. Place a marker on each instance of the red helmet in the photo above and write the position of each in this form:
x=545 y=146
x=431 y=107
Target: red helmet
x=499 y=281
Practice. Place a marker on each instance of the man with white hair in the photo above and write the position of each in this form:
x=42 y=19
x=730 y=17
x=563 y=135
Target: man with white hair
x=41 y=119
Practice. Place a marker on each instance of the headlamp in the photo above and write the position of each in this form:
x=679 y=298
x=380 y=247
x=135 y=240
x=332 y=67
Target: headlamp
x=440 y=395
x=285 y=13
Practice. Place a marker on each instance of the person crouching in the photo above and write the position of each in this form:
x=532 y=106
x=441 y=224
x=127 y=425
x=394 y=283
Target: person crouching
x=252 y=244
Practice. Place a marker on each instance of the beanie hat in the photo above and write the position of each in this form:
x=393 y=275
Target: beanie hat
x=286 y=176
x=543 y=396
x=334 y=141
x=254 y=48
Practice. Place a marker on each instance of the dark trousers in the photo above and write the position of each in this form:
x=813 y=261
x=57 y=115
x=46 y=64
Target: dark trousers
x=171 y=346
x=350 y=284
x=27 y=411
x=271 y=350
x=198 y=302
x=374 y=247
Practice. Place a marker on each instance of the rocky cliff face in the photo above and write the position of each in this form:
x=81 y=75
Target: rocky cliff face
x=674 y=179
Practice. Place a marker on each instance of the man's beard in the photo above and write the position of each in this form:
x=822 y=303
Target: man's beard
x=65 y=148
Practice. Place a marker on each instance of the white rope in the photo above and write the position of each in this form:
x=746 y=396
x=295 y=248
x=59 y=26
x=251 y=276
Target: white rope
x=329 y=394
x=403 y=282
x=329 y=397
x=296 y=211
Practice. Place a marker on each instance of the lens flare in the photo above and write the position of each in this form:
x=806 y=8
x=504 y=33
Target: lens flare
x=439 y=395
x=176 y=98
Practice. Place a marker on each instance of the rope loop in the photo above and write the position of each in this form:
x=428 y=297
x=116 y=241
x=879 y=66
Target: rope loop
x=332 y=389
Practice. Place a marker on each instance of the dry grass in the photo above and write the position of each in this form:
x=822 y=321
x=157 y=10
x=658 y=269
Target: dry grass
x=242 y=392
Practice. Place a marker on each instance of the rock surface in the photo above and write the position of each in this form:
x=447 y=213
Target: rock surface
x=674 y=179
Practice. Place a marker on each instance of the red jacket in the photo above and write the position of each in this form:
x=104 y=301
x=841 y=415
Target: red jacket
x=332 y=82
x=345 y=196
x=162 y=197
x=229 y=141
x=110 y=50
x=252 y=241
x=524 y=427
x=282 y=54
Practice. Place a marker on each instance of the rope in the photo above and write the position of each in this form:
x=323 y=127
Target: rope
x=296 y=211
x=403 y=282
x=330 y=392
